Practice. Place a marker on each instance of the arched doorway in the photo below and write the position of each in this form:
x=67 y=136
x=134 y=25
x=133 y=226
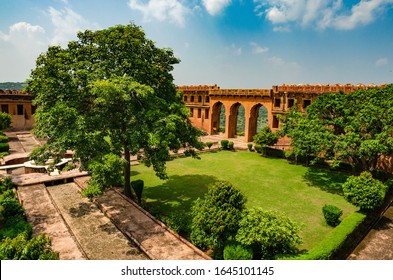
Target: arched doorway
x=218 y=118
x=258 y=120
x=241 y=121
x=233 y=120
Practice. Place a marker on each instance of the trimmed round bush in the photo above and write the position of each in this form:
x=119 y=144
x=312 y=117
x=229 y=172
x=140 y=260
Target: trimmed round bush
x=332 y=214
x=209 y=144
x=224 y=144
x=364 y=191
x=236 y=251
x=137 y=186
x=258 y=148
x=3 y=139
x=4 y=147
x=249 y=146
x=231 y=145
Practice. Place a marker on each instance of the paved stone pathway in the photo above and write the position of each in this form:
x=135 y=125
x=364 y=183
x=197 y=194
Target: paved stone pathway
x=378 y=244
x=43 y=216
x=152 y=237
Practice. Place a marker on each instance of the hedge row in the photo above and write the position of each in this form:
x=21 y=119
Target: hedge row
x=325 y=249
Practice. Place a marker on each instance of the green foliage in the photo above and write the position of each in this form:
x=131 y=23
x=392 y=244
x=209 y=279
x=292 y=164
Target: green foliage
x=14 y=226
x=3 y=139
x=4 y=147
x=231 y=145
x=224 y=144
x=107 y=172
x=268 y=233
x=236 y=251
x=325 y=249
x=266 y=137
x=12 y=86
x=258 y=148
x=332 y=214
x=69 y=166
x=215 y=217
x=24 y=248
x=5 y=120
x=92 y=190
x=209 y=144
x=179 y=222
x=44 y=153
x=339 y=128
x=137 y=186
x=364 y=191
x=249 y=146
x=11 y=207
x=5 y=184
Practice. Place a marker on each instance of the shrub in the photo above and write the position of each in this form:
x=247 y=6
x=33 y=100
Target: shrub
x=332 y=214
x=5 y=184
x=137 y=186
x=24 y=248
x=258 y=148
x=209 y=144
x=93 y=189
x=14 y=226
x=4 y=147
x=5 y=120
x=364 y=191
x=266 y=137
x=11 y=207
x=178 y=222
x=236 y=251
x=268 y=233
x=249 y=146
x=231 y=145
x=108 y=172
x=3 y=139
x=215 y=217
x=69 y=166
x=224 y=144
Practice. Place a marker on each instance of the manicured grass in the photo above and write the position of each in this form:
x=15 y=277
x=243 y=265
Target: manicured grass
x=273 y=184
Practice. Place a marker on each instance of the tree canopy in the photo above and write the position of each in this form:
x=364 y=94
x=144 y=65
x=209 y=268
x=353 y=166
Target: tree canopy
x=354 y=128
x=111 y=91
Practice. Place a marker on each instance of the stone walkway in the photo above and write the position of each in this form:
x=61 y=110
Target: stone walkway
x=153 y=237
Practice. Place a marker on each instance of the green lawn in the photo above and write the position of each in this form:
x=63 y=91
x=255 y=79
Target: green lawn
x=272 y=184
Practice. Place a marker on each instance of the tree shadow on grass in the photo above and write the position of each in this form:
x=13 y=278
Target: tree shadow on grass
x=177 y=193
x=326 y=180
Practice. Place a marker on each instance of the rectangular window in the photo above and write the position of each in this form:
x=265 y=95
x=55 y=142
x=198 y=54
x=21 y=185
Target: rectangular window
x=277 y=102
x=275 y=122
x=191 y=112
x=207 y=99
x=4 y=108
x=199 y=99
x=291 y=103
x=306 y=103
x=19 y=109
x=192 y=98
x=185 y=98
x=199 y=113
x=207 y=114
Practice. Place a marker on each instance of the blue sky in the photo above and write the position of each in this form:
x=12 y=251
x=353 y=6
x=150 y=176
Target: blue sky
x=232 y=43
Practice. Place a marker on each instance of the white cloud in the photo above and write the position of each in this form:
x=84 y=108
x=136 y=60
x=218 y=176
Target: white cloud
x=214 y=7
x=256 y=49
x=277 y=61
x=66 y=24
x=381 y=62
x=321 y=13
x=281 y=29
x=161 y=10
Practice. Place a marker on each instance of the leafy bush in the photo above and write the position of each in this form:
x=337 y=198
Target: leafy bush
x=216 y=216
x=5 y=120
x=325 y=249
x=236 y=251
x=209 y=144
x=249 y=146
x=332 y=214
x=137 y=186
x=364 y=191
x=11 y=207
x=258 y=148
x=108 y=172
x=178 y=222
x=268 y=233
x=93 y=189
x=266 y=137
x=24 y=248
x=3 y=139
x=4 y=147
x=14 y=226
x=69 y=166
x=5 y=184
x=224 y=144
x=231 y=145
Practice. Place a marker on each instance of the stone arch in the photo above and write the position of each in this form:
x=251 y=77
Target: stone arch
x=216 y=124
x=253 y=120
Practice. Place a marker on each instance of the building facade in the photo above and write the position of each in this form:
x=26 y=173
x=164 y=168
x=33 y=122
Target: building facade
x=19 y=105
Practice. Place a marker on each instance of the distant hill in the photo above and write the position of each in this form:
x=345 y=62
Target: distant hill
x=12 y=86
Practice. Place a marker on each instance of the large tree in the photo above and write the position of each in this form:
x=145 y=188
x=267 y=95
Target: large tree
x=111 y=91
x=353 y=128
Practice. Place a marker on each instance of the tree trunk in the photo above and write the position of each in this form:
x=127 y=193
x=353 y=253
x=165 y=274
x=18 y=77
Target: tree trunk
x=127 y=173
